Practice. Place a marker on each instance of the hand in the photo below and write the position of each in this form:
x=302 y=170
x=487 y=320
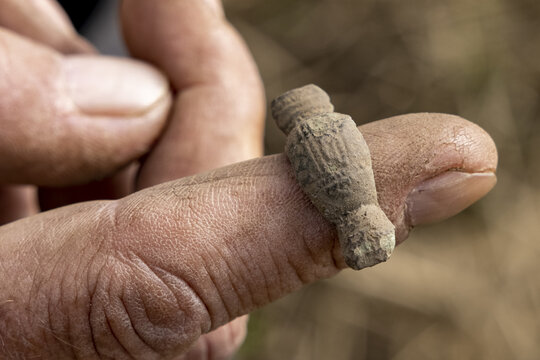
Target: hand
x=145 y=276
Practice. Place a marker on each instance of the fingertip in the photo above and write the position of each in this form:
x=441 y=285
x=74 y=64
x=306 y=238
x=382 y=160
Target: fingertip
x=409 y=150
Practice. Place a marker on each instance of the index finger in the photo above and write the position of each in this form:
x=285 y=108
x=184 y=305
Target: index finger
x=150 y=273
x=219 y=109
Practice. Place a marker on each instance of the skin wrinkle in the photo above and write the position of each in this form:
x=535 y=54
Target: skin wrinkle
x=133 y=327
x=296 y=280
x=77 y=330
x=92 y=285
x=279 y=277
x=95 y=313
x=218 y=300
x=53 y=299
x=59 y=339
x=196 y=297
x=203 y=329
x=238 y=282
x=125 y=352
x=306 y=277
x=145 y=305
x=280 y=274
x=212 y=271
x=73 y=308
x=295 y=272
x=40 y=287
x=245 y=301
x=270 y=254
x=113 y=313
x=266 y=295
x=133 y=318
x=61 y=305
x=81 y=332
x=195 y=288
x=238 y=295
x=233 y=309
x=102 y=284
x=242 y=278
x=231 y=277
x=91 y=294
x=244 y=228
x=154 y=270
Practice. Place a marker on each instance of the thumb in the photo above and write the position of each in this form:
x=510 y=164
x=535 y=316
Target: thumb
x=68 y=119
x=150 y=273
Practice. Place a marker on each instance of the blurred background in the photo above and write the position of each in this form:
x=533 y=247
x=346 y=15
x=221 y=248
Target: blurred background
x=468 y=288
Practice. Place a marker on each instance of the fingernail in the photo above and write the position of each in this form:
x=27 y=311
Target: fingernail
x=446 y=195
x=116 y=87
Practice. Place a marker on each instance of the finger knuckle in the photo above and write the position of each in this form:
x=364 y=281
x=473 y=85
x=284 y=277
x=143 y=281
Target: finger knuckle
x=143 y=311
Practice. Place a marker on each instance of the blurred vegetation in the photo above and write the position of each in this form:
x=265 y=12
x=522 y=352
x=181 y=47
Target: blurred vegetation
x=465 y=289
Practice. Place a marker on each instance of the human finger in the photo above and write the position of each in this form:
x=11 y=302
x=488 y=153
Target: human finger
x=145 y=276
x=219 y=107
x=70 y=119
